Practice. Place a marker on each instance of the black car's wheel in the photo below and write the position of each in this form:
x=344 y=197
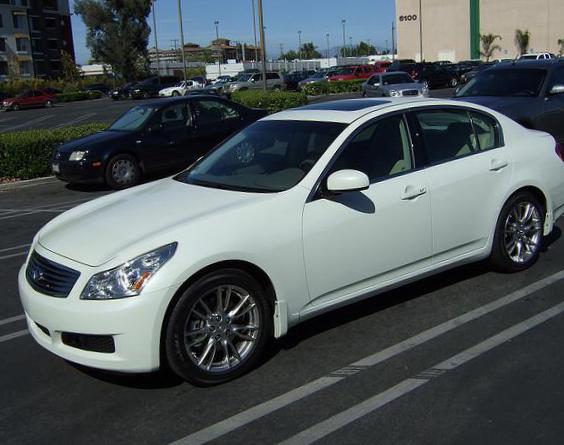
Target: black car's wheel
x=146 y=95
x=122 y=172
x=175 y=93
x=49 y=104
x=425 y=84
x=518 y=234
x=453 y=83
x=218 y=328
x=15 y=107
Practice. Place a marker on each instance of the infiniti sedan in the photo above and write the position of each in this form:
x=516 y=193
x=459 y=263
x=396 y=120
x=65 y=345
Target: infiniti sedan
x=394 y=84
x=300 y=213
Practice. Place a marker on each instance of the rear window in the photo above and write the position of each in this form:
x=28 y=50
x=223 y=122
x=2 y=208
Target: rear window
x=506 y=83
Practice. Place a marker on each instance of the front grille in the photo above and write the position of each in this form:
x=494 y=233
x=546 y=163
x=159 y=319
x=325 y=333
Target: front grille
x=87 y=342
x=410 y=92
x=50 y=278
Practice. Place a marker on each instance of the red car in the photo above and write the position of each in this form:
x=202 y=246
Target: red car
x=29 y=99
x=353 y=72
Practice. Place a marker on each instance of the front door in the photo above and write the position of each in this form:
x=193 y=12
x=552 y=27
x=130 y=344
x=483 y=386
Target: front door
x=359 y=241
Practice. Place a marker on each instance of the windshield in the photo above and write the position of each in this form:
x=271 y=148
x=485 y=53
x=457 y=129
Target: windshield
x=133 y=119
x=507 y=82
x=268 y=156
x=530 y=57
x=395 y=79
x=244 y=77
x=343 y=71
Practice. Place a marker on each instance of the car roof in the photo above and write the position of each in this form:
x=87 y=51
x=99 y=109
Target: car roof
x=528 y=63
x=348 y=110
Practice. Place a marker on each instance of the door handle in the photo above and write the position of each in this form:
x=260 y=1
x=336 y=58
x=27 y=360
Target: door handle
x=412 y=192
x=498 y=164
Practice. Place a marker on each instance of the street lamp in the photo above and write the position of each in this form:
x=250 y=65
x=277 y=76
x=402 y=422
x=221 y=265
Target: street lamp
x=300 y=45
x=344 y=38
x=182 y=39
x=327 y=36
x=156 y=41
x=420 y=33
x=351 y=45
x=216 y=23
x=255 y=31
x=262 y=45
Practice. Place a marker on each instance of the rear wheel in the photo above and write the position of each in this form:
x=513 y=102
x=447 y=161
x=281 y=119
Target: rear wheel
x=15 y=107
x=453 y=83
x=519 y=233
x=49 y=104
x=122 y=172
x=175 y=93
x=218 y=328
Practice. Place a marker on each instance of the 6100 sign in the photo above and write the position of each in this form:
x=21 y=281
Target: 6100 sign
x=408 y=18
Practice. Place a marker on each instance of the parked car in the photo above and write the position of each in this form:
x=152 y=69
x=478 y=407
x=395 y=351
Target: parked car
x=104 y=89
x=209 y=90
x=274 y=81
x=394 y=84
x=202 y=81
x=398 y=64
x=123 y=92
x=180 y=89
x=28 y=99
x=431 y=75
x=318 y=76
x=300 y=213
x=530 y=92
x=537 y=56
x=354 y=72
x=150 y=87
x=469 y=75
x=293 y=78
x=162 y=135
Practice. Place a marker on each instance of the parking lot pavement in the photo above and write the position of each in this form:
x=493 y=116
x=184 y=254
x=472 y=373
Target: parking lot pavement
x=468 y=356
x=100 y=110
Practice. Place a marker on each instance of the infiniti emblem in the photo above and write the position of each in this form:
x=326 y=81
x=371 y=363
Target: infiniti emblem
x=36 y=273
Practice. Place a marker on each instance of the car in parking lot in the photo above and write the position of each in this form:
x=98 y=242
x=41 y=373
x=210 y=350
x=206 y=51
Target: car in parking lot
x=529 y=91
x=122 y=92
x=253 y=81
x=537 y=56
x=431 y=75
x=318 y=76
x=180 y=89
x=300 y=213
x=150 y=87
x=354 y=72
x=394 y=84
x=100 y=87
x=166 y=134
x=469 y=75
x=28 y=99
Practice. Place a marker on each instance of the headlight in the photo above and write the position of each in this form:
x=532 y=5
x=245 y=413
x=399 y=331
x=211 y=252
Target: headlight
x=394 y=93
x=130 y=278
x=77 y=155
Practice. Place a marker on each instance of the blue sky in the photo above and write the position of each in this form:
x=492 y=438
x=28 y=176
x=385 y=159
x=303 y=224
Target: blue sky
x=366 y=19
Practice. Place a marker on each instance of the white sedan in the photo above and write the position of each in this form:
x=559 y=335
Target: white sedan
x=179 y=89
x=300 y=213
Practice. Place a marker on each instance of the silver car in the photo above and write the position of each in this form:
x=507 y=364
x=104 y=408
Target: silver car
x=395 y=84
x=250 y=81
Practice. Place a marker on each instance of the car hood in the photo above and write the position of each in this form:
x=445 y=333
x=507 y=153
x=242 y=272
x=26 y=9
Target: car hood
x=102 y=137
x=137 y=220
x=510 y=106
x=167 y=89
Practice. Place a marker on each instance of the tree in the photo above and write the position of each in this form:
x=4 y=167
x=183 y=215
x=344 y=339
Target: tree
x=360 y=50
x=14 y=71
x=71 y=73
x=561 y=44
x=309 y=51
x=488 y=45
x=117 y=33
x=290 y=55
x=522 y=40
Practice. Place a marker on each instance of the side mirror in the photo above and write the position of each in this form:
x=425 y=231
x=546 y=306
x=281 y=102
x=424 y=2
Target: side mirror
x=347 y=181
x=557 y=89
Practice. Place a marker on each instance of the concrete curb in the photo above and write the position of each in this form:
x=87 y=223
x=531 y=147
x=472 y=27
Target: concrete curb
x=27 y=183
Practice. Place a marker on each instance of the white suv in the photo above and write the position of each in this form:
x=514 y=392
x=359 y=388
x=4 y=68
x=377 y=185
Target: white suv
x=537 y=56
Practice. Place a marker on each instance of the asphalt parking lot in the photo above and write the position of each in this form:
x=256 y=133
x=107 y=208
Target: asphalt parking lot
x=468 y=356
x=100 y=110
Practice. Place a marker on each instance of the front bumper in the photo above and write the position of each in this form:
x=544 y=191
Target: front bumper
x=133 y=323
x=78 y=171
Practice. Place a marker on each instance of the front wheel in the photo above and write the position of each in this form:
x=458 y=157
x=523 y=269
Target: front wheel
x=519 y=233
x=15 y=107
x=218 y=328
x=48 y=104
x=453 y=83
x=122 y=172
x=175 y=93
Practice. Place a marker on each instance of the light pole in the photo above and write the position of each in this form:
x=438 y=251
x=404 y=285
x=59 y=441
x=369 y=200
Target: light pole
x=387 y=52
x=300 y=45
x=216 y=23
x=420 y=33
x=327 y=36
x=393 y=41
x=344 y=38
x=182 y=39
x=351 y=45
x=262 y=45
x=156 y=41
x=255 y=30
x=281 y=51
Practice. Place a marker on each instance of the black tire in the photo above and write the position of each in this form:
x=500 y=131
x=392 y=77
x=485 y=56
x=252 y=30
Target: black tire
x=175 y=93
x=122 y=172
x=509 y=230
x=146 y=95
x=453 y=83
x=183 y=357
x=49 y=104
x=15 y=107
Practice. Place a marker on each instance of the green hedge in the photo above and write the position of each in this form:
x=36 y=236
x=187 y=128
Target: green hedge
x=13 y=87
x=78 y=95
x=272 y=101
x=26 y=154
x=342 y=86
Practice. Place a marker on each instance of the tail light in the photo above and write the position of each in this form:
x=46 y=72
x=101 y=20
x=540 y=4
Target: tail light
x=560 y=151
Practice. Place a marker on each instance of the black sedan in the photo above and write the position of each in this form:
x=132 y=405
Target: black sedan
x=529 y=92
x=165 y=135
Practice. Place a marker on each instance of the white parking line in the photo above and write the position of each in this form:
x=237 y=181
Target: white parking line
x=344 y=418
x=76 y=120
x=12 y=319
x=13 y=335
x=13 y=255
x=29 y=123
x=250 y=415
x=58 y=207
x=21 y=246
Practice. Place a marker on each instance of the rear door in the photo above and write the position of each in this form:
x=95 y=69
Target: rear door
x=552 y=119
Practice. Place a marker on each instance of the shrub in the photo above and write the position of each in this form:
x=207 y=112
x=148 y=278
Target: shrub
x=78 y=95
x=341 y=86
x=26 y=154
x=272 y=101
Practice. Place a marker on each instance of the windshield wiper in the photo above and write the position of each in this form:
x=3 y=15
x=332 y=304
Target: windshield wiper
x=220 y=186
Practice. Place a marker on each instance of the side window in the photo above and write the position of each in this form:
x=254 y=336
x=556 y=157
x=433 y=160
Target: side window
x=448 y=134
x=272 y=76
x=557 y=78
x=174 y=117
x=380 y=150
x=256 y=77
x=209 y=112
x=486 y=130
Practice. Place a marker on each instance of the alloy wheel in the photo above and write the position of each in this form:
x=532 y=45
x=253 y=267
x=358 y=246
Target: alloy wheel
x=523 y=232
x=123 y=171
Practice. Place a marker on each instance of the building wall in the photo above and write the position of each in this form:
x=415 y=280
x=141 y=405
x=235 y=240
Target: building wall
x=15 y=55
x=447 y=32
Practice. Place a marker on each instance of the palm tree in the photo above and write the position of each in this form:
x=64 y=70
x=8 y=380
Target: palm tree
x=561 y=44
x=522 y=39
x=489 y=46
